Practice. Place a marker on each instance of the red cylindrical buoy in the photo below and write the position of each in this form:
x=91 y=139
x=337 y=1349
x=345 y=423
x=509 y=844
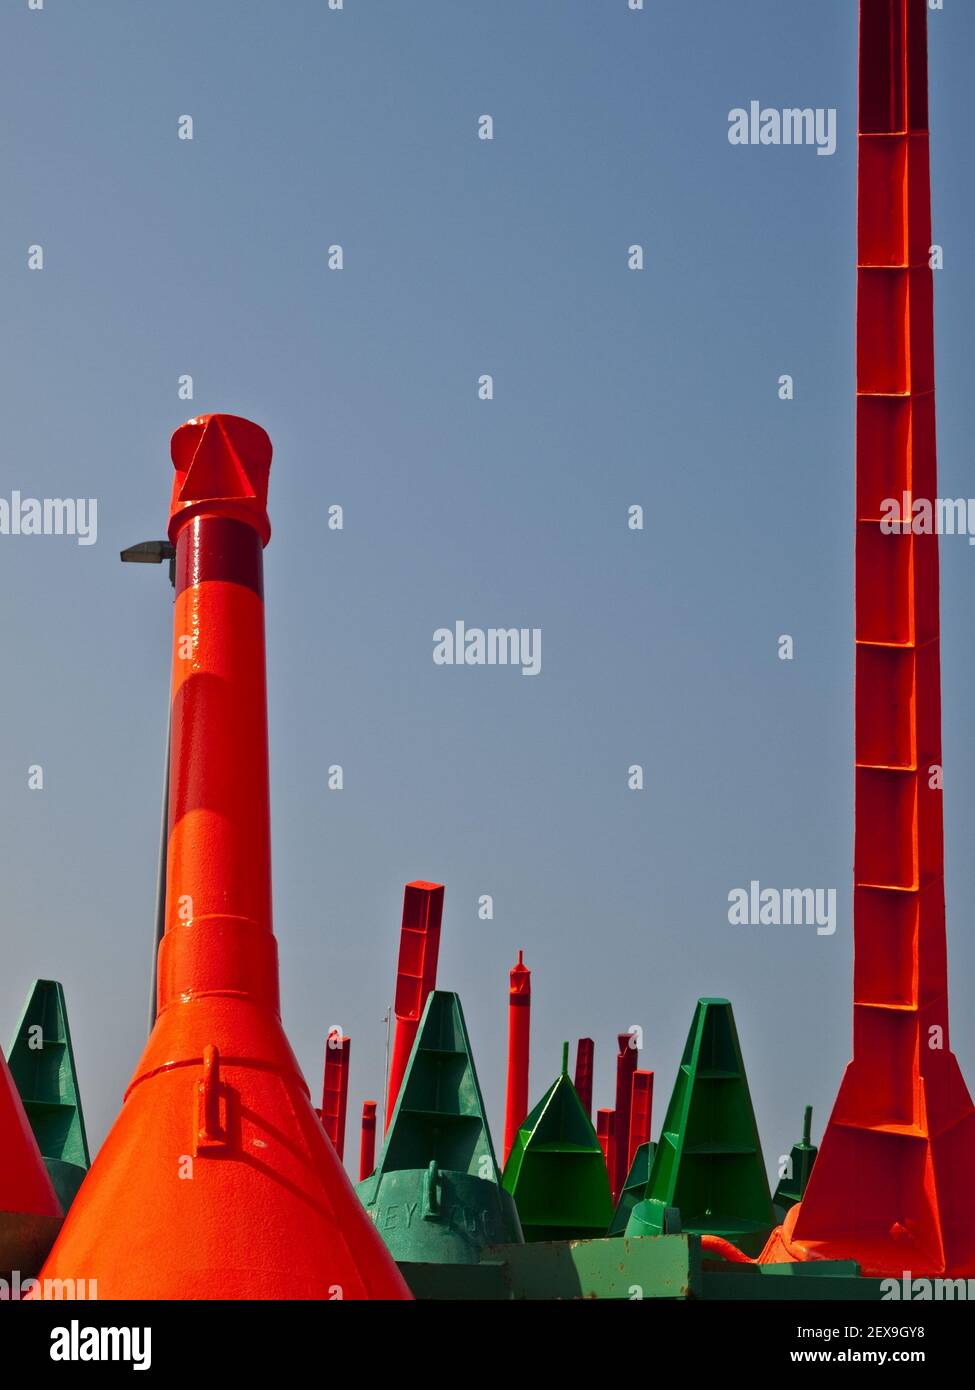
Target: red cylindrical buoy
x=217 y=1179
x=641 y=1107
x=416 y=975
x=606 y=1134
x=519 y=1031
x=626 y=1060
x=367 y=1140
x=585 y=1052
x=335 y=1088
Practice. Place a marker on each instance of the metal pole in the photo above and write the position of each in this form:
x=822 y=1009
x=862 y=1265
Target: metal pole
x=160 y=928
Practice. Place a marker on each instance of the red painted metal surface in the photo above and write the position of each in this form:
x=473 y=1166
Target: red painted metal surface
x=585 y=1051
x=519 y=1029
x=217 y=1180
x=416 y=975
x=367 y=1140
x=335 y=1088
x=606 y=1134
x=892 y=1185
x=717 y=1245
x=641 y=1107
x=626 y=1060
x=30 y=1212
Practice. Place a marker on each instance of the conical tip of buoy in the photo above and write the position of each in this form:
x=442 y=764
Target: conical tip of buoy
x=222 y=466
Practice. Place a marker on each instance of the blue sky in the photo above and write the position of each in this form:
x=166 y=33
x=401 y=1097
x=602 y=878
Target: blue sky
x=611 y=388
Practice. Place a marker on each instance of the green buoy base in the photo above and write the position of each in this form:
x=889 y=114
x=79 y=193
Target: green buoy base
x=632 y=1268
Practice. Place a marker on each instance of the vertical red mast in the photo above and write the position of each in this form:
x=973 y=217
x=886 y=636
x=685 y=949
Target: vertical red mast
x=416 y=975
x=641 y=1107
x=335 y=1088
x=217 y=1180
x=519 y=1030
x=892 y=1186
x=367 y=1140
x=585 y=1052
x=626 y=1060
x=606 y=1134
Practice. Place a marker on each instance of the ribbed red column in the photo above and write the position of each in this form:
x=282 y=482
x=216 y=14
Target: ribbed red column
x=519 y=1050
x=367 y=1140
x=416 y=975
x=335 y=1089
x=585 y=1052
x=892 y=1186
x=641 y=1107
x=626 y=1060
x=217 y=1180
x=606 y=1134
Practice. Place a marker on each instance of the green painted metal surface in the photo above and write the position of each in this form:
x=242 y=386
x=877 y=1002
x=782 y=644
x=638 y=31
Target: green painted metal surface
x=633 y=1189
x=556 y=1171
x=42 y=1064
x=665 y=1267
x=708 y=1162
x=792 y=1186
x=820 y=1281
x=436 y=1194
x=662 y=1267
x=633 y=1269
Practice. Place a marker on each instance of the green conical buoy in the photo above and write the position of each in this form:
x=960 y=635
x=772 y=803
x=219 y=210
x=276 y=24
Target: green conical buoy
x=708 y=1162
x=42 y=1065
x=633 y=1189
x=556 y=1171
x=793 y=1185
x=436 y=1194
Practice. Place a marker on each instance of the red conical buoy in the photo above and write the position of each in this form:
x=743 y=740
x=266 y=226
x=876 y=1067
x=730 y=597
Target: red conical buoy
x=217 y=1180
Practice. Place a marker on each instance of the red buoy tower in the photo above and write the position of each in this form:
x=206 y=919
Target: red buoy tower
x=893 y=1185
x=335 y=1088
x=585 y=1053
x=519 y=1050
x=217 y=1179
x=416 y=975
x=367 y=1140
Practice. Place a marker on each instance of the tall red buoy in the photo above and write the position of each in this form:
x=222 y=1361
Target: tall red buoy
x=335 y=1088
x=585 y=1055
x=519 y=1034
x=606 y=1134
x=892 y=1185
x=367 y=1140
x=626 y=1060
x=217 y=1180
x=416 y=975
x=641 y=1107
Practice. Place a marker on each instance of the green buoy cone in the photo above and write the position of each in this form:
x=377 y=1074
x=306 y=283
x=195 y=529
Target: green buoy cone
x=42 y=1065
x=556 y=1171
x=792 y=1185
x=633 y=1189
x=708 y=1164
x=436 y=1194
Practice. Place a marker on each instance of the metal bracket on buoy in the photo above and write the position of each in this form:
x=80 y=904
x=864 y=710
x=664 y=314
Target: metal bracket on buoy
x=211 y=1107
